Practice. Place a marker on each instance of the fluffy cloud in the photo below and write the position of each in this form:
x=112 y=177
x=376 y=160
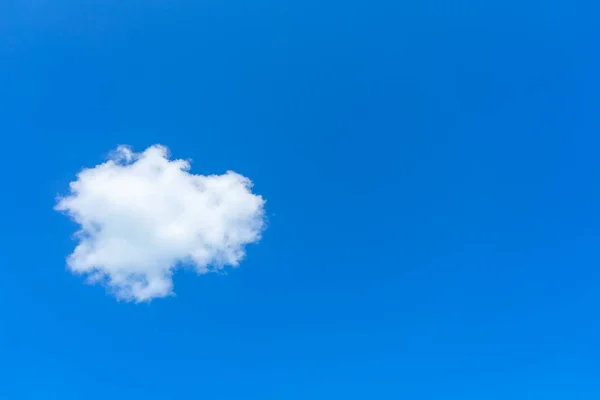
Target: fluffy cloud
x=142 y=214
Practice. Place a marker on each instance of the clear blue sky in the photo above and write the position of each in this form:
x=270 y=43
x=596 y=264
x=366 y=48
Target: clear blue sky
x=432 y=179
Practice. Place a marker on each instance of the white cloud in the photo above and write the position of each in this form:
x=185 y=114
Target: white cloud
x=141 y=215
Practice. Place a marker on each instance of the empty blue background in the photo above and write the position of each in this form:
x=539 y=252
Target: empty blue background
x=432 y=176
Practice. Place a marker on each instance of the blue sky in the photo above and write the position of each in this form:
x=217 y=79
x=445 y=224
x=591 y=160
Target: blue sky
x=431 y=175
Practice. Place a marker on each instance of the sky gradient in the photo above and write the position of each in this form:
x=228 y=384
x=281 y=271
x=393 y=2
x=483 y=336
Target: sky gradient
x=430 y=171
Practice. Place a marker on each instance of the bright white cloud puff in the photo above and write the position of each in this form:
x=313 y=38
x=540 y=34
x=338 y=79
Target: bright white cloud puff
x=141 y=215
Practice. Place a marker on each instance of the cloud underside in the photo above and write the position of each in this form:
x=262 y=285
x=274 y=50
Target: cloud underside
x=141 y=215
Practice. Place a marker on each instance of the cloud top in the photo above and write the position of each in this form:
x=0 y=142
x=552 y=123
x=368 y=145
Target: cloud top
x=142 y=214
